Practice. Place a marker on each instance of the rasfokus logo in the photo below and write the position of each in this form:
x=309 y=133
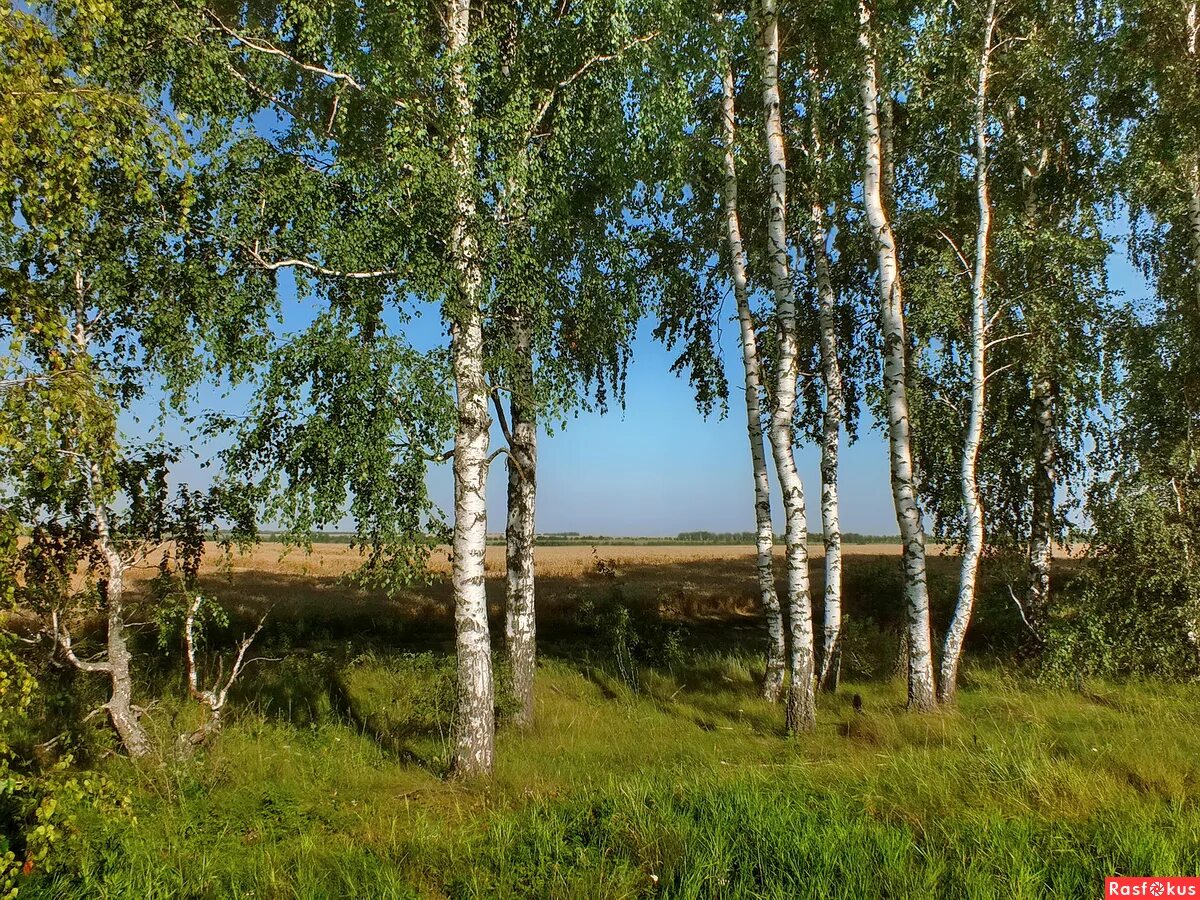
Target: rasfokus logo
x=1152 y=887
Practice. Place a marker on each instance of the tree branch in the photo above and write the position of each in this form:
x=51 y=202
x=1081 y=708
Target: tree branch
x=500 y=416
x=957 y=252
x=294 y=263
x=260 y=46
x=62 y=638
x=1010 y=337
x=544 y=107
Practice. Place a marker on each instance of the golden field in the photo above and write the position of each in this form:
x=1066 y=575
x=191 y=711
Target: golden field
x=699 y=583
x=326 y=560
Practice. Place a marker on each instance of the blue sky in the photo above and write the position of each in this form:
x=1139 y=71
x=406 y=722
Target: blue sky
x=655 y=468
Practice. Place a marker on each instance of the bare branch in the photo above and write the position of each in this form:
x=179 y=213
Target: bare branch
x=240 y=662
x=957 y=252
x=216 y=696
x=1021 y=610
x=261 y=46
x=544 y=107
x=1011 y=337
x=501 y=417
x=62 y=638
x=272 y=265
x=994 y=372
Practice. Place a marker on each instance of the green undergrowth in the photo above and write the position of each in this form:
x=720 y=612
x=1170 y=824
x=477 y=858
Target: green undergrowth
x=684 y=787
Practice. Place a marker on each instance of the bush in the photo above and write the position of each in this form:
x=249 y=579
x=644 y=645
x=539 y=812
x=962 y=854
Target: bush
x=38 y=803
x=628 y=637
x=1135 y=607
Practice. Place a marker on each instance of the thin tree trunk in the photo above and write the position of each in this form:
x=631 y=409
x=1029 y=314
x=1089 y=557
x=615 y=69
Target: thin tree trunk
x=831 y=431
x=520 y=625
x=765 y=535
x=1041 y=536
x=973 y=505
x=125 y=717
x=921 y=692
x=1194 y=219
x=1041 y=527
x=831 y=422
x=475 y=723
x=801 y=699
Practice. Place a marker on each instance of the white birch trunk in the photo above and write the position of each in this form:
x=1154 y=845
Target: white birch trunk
x=972 y=503
x=520 y=625
x=921 y=692
x=831 y=432
x=1041 y=536
x=764 y=535
x=475 y=723
x=124 y=715
x=831 y=422
x=1194 y=219
x=801 y=699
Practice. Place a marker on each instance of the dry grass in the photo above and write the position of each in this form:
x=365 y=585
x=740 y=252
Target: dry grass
x=702 y=585
x=332 y=560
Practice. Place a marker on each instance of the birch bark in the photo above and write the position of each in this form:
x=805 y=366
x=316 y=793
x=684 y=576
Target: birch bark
x=474 y=726
x=1193 y=28
x=1194 y=219
x=124 y=715
x=972 y=503
x=764 y=534
x=1041 y=537
x=801 y=700
x=921 y=692
x=831 y=422
x=520 y=624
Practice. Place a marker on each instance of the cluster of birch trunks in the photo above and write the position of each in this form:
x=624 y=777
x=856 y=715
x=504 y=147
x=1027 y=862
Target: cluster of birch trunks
x=798 y=663
x=438 y=92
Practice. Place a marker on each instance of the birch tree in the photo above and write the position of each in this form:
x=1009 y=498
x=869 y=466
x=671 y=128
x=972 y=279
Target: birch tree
x=450 y=216
x=552 y=347
x=98 y=302
x=801 y=703
x=1144 y=616
x=875 y=180
x=972 y=549
x=819 y=118
x=764 y=528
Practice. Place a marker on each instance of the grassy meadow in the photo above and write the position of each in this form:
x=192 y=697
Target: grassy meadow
x=653 y=770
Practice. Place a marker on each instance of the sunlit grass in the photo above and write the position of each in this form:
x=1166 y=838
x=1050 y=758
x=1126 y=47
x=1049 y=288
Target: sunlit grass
x=687 y=788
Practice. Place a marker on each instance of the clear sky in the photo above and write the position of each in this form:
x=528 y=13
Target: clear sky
x=655 y=468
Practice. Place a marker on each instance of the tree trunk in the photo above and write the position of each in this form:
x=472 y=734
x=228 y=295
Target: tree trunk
x=125 y=717
x=1193 y=50
x=121 y=711
x=1194 y=219
x=831 y=431
x=520 y=625
x=475 y=723
x=765 y=534
x=972 y=503
x=1041 y=535
x=801 y=700
x=921 y=693
x=831 y=422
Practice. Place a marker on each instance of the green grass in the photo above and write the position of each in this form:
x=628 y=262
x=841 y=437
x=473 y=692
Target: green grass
x=686 y=788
